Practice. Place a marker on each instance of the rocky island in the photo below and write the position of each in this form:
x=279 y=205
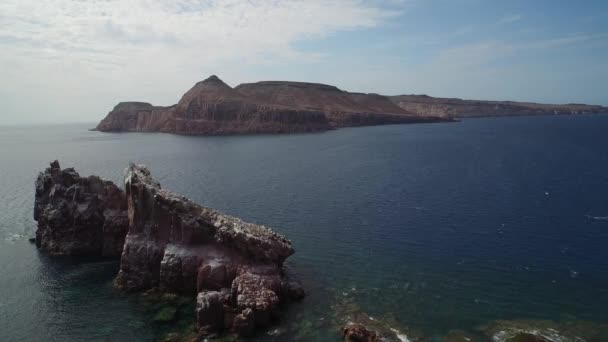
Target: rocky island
x=169 y=243
x=212 y=107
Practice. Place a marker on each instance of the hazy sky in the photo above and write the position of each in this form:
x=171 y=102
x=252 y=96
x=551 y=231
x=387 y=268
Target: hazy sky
x=69 y=60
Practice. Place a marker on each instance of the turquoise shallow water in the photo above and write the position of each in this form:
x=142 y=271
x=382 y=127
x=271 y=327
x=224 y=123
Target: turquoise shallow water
x=426 y=227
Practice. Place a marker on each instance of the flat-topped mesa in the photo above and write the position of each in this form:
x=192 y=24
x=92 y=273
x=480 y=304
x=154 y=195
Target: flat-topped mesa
x=236 y=268
x=79 y=215
x=340 y=107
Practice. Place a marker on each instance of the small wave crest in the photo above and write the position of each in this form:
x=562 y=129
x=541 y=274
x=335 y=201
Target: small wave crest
x=597 y=218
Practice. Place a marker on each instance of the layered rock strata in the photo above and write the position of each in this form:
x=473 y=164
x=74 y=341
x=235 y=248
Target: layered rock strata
x=79 y=215
x=234 y=268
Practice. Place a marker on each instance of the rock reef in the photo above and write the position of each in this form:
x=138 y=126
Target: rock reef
x=212 y=107
x=79 y=215
x=544 y=331
x=169 y=244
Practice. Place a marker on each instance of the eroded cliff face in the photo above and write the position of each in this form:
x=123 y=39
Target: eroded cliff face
x=138 y=117
x=212 y=107
x=79 y=215
x=234 y=268
x=452 y=107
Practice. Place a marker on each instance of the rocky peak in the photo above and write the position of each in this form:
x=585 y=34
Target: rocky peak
x=210 y=90
x=213 y=78
x=213 y=81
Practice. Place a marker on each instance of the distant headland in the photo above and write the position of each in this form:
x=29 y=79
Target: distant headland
x=212 y=107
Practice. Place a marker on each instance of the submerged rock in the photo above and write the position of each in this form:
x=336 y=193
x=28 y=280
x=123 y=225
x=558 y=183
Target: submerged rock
x=166 y=314
x=79 y=215
x=528 y=337
x=356 y=332
x=458 y=336
x=347 y=314
x=181 y=247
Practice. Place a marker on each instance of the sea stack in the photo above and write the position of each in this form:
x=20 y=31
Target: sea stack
x=169 y=243
x=234 y=268
x=79 y=215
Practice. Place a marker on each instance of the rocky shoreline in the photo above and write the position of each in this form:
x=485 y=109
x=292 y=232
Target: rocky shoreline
x=169 y=244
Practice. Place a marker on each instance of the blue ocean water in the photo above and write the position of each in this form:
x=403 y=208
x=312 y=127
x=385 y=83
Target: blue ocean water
x=432 y=227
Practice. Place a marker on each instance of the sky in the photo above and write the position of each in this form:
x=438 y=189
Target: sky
x=73 y=60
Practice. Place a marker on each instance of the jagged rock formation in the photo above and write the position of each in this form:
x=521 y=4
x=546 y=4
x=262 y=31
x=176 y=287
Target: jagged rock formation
x=212 y=107
x=457 y=108
x=79 y=215
x=235 y=268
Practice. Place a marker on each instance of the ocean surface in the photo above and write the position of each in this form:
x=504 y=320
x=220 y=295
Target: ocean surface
x=428 y=227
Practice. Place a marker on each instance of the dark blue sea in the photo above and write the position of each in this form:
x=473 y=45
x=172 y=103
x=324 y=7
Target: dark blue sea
x=429 y=227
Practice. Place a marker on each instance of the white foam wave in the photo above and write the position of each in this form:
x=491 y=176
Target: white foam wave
x=598 y=218
x=400 y=336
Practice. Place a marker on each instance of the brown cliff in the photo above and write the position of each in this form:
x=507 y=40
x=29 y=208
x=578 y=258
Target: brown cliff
x=79 y=215
x=212 y=107
x=138 y=117
x=452 y=107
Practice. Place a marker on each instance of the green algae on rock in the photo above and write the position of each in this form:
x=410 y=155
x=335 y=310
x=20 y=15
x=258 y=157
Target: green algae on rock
x=166 y=314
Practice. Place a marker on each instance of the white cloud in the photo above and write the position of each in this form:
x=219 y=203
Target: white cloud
x=100 y=49
x=510 y=18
